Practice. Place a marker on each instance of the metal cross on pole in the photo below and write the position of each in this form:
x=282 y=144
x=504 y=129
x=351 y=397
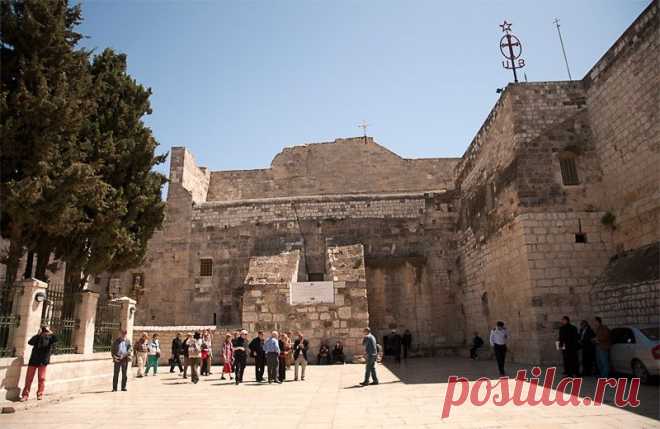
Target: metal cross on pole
x=511 y=49
x=563 y=50
x=364 y=127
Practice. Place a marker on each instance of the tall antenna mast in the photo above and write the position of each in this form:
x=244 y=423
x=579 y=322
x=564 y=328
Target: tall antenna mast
x=364 y=127
x=563 y=50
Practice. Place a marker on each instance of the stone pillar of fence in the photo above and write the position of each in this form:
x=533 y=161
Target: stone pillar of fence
x=83 y=337
x=29 y=309
x=127 y=315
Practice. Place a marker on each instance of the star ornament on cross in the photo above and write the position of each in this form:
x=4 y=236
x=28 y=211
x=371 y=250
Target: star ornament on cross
x=506 y=26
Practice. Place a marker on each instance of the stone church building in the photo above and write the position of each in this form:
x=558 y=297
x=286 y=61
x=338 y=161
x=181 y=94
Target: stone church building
x=552 y=210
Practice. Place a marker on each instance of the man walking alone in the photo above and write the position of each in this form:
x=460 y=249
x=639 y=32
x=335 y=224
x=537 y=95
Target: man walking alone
x=498 y=339
x=371 y=353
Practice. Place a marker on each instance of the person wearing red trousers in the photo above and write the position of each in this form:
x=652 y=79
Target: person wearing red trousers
x=42 y=347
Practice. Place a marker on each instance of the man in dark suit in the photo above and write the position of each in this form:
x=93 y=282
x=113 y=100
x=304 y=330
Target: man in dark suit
x=568 y=344
x=121 y=352
x=257 y=352
x=300 y=347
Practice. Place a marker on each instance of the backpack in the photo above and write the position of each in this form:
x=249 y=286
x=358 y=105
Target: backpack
x=193 y=349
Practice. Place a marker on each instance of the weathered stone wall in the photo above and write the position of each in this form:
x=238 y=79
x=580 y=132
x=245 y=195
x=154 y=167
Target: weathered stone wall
x=628 y=292
x=267 y=307
x=345 y=166
x=450 y=246
x=519 y=221
x=623 y=102
x=185 y=172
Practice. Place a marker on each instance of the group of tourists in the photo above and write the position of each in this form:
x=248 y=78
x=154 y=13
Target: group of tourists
x=588 y=346
x=273 y=356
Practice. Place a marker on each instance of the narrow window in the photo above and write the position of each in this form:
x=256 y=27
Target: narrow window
x=138 y=280
x=568 y=167
x=206 y=267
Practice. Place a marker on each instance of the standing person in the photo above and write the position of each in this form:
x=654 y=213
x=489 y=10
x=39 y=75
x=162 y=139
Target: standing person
x=285 y=351
x=177 y=353
x=227 y=357
x=568 y=344
x=141 y=352
x=235 y=336
x=272 y=350
x=498 y=339
x=338 y=353
x=240 y=355
x=300 y=347
x=477 y=343
x=121 y=353
x=324 y=354
x=289 y=356
x=602 y=342
x=194 y=356
x=406 y=342
x=153 y=355
x=42 y=347
x=371 y=354
x=186 y=356
x=395 y=345
x=257 y=352
x=586 y=336
x=208 y=340
x=204 y=359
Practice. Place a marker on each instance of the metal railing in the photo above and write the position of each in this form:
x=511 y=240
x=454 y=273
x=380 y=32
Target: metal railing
x=59 y=315
x=106 y=326
x=8 y=321
x=7 y=324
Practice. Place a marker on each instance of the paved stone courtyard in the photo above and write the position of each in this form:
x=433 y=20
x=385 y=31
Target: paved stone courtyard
x=410 y=395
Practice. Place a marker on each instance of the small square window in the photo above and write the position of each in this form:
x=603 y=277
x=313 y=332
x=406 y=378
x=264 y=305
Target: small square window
x=580 y=237
x=206 y=267
x=568 y=171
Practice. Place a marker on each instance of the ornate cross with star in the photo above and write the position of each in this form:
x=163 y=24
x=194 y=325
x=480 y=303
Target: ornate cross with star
x=506 y=26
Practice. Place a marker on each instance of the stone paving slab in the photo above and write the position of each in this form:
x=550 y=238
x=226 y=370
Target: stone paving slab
x=410 y=395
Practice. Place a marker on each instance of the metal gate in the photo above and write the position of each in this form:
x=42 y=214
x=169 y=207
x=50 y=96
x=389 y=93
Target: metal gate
x=60 y=318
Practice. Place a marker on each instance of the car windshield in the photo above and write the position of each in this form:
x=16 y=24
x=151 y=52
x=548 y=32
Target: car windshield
x=652 y=333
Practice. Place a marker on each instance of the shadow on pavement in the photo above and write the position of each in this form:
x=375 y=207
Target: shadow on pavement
x=438 y=370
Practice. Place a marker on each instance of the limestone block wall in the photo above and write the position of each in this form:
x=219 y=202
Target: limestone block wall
x=623 y=101
x=628 y=292
x=496 y=286
x=267 y=308
x=185 y=172
x=332 y=168
x=224 y=215
x=561 y=270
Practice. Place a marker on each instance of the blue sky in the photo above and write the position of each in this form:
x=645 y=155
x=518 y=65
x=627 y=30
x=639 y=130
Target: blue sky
x=236 y=81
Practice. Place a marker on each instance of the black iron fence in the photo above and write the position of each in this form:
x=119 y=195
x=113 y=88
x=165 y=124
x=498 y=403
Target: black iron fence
x=107 y=325
x=8 y=321
x=58 y=313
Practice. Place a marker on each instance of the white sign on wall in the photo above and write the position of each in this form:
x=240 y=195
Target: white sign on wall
x=311 y=293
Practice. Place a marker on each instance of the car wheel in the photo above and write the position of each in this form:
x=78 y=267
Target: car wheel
x=640 y=371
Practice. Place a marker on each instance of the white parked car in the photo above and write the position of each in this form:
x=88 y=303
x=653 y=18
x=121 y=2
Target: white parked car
x=636 y=350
